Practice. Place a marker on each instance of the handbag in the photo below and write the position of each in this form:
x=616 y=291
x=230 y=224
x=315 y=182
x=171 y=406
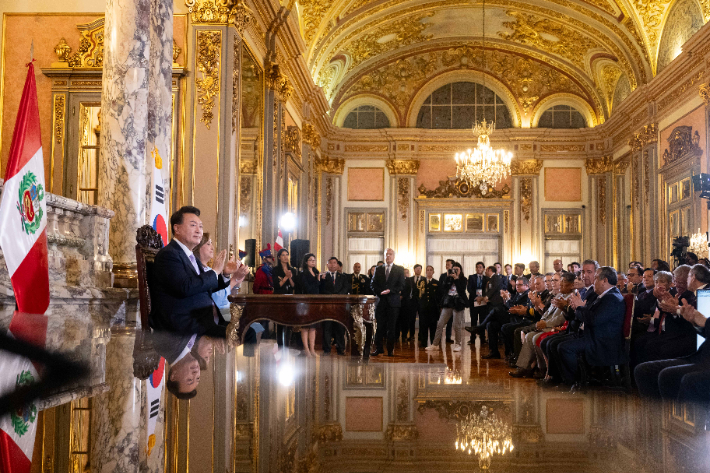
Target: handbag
x=459 y=303
x=448 y=302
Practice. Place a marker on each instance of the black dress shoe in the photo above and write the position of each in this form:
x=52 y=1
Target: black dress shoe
x=520 y=373
x=390 y=355
x=491 y=356
x=341 y=353
x=468 y=329
x=376 y=353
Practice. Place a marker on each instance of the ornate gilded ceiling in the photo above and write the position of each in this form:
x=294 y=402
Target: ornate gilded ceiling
x=391 y=49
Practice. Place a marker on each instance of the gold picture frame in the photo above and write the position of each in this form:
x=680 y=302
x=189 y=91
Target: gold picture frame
x=375 y=222
x=453 y=223
x=474 y=222
x=434 y=222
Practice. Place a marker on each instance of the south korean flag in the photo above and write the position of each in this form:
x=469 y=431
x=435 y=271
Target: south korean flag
x=160 y=193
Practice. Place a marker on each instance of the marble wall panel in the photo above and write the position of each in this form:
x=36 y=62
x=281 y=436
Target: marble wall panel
x=366 y=184
x=363 y=414
x=563 y=184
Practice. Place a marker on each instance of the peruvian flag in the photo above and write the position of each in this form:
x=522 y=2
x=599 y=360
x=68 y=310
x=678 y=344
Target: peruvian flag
x=279 y=243
x=158 y=210
x=23 y=239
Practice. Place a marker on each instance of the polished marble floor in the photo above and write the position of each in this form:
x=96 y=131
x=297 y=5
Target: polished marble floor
x=334 y=414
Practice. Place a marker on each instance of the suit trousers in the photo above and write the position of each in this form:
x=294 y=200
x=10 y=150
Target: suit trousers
x=386 y=318
x=527 y=352
x=333 y=330
x=446 y=315
x=569 y=352
x=477 y=315
x=406 y=312
x=413 y=312
x=496 y=318
x=550 y=347
x=518 y=338
x=508 y=331
x=674 y=379
x=654 y=347
x=428 y=318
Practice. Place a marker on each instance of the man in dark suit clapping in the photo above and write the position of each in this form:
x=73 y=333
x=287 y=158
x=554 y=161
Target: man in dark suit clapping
x=387 y=285
x=181 y=289
x=333 y=282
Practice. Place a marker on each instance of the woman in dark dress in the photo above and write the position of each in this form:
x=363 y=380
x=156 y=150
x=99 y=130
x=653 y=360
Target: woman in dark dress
x=309 y=283
x=284 y=273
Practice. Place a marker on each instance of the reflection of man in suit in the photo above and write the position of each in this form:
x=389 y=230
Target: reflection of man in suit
x=387 y=285
x=476 y=285
x=180 y=287
x=333 y=282
x=428 y=290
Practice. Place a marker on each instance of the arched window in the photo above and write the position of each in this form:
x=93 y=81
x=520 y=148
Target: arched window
x=366 y=117
x=460 y=104
x=562 y=116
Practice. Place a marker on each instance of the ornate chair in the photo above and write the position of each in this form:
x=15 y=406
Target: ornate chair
x=145 y=358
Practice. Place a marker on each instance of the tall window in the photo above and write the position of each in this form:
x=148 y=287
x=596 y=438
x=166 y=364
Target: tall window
x=366 y=117
x=562 y=116
x=460 y=104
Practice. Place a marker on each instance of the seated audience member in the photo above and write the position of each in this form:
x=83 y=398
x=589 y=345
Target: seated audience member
x=359 y=283
x=603 y=319
x=497 y=314
x=554 y=317
x=635 y=277
x=557 y=266
x=263 y=278
x=574 y=267
x=475 y=286
x=534 y=268
x=518 y=306
x=453 y=303
x=660 y=265
x=621 y=282
x=181 y=291
x=428 y=307
x=518 y=271
x=308 y=282
x=680 y=379
x=578 y=281
x=645 y=304
x=669 y=335
x=332 y=282
x=204 y=253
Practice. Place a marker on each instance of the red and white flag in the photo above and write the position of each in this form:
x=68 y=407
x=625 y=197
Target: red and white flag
x=155 y=384
x=23 y=239
x=158 y=209
x=279 y=243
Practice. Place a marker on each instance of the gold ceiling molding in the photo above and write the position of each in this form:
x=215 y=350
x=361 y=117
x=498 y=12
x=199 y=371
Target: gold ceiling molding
x=313 y=12
x=680 y=90
x=310 y=135
x=610 y=75
x=330 y=166
x=599 y=165
x=562 y=148
x=526 y=168
x=650 y=14
x=278 y=81
x=570 y=44
x=704 y=92
x=220 y=12
x=91 y=47
x=528 y=80
x=209 y=44
x=367 y=148
x=647 y=135
x=402 y=166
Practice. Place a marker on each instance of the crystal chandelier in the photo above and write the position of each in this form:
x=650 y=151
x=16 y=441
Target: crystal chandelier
x=484 y=166
x=699 y=244
x=484 y=435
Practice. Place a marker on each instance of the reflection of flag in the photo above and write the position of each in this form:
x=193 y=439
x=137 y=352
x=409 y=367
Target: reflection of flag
x=155 y=391
x=242 y=254
x=279 y=242
x=23 y=238
x=158 y=212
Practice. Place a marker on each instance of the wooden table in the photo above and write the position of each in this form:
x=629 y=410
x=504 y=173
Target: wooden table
x=355 y=312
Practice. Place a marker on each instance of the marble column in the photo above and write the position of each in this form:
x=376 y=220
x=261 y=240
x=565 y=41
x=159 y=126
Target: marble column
x=116 y=423
x=124 y=116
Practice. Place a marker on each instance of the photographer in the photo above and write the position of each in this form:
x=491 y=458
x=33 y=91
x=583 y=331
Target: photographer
x=453 y=303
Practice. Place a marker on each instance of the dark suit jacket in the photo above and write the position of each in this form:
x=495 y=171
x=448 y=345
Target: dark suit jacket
x=170 y=345
x=407 y=291
x=492 y=292
x=473 y=284
x=395 y=283
x=603 y=324
x=339 y=287
x=181 y=299
x=518 y=299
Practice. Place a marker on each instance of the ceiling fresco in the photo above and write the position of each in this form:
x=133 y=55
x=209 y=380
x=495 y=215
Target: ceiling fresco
x=534 y=49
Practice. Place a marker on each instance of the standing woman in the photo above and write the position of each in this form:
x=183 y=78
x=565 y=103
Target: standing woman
x=283 y=276
x=453 y=302
x=309 y=283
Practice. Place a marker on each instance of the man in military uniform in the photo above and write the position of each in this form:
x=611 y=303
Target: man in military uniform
x=359 y=283
x=428 y=290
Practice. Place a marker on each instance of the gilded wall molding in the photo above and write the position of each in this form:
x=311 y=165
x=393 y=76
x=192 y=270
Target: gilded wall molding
x=396 y=432
x=330 y=166
x=176 y=53
x=704 y=92
x=209 y=43
x=91 y=47
x=292 y=140
x=403 y=196
x=328 y=200
x=278 y=82
x=245 y=195
x=598 y=165
x=247 y=166
x=457 y=188
x=402 y=166
x=220 y=12
x=525 y=168
x=526 y=195
x=310 y=135
x=328 y=433
x=682 y=144
x=680 y=90
x=601 y=196
x=59 y=118
x=621 y=165
x=647 y=135
x=235 y=84
x=367 y=148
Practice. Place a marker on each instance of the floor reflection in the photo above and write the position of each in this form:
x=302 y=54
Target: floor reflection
x=283 y=413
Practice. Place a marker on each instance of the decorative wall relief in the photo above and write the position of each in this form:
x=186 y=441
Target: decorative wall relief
x=328 y=200
x=602 y=200
x=454 y=187
x=209 y=44
x=403 y=197
x=646 y=176
x=277 y=81
x=220 y=12
x=402 y=166
x=526 y=195
x=91 y=47
x=293 y=140
x=59 y=118
x=422 y=217
x=244 y=195
x=527 y=167
x=682 y=144
x=704 y=92
x=402 y=401
x=310 y=135
x=682 y=21
x=235 y=83
x=598 y=165
x=330 y=166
